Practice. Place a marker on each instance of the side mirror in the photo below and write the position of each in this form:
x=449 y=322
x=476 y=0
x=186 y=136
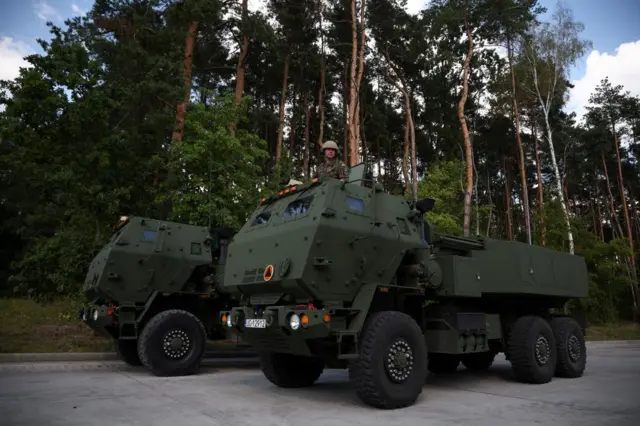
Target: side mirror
x=425 y=205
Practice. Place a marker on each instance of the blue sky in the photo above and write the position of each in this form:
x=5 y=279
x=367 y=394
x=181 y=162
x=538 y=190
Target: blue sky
x=24 y=20
x=609 y=24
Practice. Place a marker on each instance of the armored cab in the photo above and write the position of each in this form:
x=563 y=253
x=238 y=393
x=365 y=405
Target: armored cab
x=344 y=275
x=153 y=289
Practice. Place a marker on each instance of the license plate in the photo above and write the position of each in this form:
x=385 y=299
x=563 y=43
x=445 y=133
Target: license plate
x=255 y=323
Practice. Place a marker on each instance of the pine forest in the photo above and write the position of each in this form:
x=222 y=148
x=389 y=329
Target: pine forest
x=190 y=110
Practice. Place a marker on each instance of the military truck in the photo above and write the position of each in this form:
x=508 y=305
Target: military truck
x=153 y=290
x=344 y=275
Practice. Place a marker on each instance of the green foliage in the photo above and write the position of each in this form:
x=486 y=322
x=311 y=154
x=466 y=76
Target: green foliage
x=209 y=191
x=443 y=183
x=56 y=265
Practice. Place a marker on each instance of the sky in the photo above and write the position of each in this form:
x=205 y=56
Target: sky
x=611 y=25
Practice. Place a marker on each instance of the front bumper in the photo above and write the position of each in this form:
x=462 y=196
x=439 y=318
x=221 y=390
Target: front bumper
x=282 y=328
x=98 y=318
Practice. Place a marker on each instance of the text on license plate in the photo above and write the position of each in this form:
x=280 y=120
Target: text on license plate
x=255 y=323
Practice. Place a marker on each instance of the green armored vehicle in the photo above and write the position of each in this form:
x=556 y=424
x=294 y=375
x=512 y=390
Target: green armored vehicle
x=343 y=275
x=153 y=290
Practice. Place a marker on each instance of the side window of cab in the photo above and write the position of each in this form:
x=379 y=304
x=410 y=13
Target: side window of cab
x=355 y=204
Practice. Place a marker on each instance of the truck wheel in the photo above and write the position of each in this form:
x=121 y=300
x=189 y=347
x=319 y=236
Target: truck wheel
x=478 y=361
x=572 y=350
x=392 y=366
x=532 y=350
x=127 y=351
x=290 y=371
x=172 y=343
x=443 y=363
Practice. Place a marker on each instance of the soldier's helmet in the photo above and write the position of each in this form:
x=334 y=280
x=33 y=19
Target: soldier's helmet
x=293 y=182
x=329 y=144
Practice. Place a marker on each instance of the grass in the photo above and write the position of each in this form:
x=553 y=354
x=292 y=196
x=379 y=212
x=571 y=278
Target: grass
x=617 y=331
x=29 y=326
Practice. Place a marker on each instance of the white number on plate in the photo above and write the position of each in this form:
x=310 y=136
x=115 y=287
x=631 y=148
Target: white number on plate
x=255 y=323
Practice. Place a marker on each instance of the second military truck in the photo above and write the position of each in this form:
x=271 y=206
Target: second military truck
x=344 y=275
x=153 y=290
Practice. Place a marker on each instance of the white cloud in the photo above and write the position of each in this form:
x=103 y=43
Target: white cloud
x=257 y=5
x=77 y=10
x=46 y=12
x=623 y=67
x=415 y=6
x=11 y=57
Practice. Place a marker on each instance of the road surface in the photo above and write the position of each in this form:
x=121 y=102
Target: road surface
x=113 y=394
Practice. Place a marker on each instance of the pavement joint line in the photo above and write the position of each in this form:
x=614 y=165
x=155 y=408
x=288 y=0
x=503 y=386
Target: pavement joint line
x=154 y=389
x=36 y=357
x=532 y=399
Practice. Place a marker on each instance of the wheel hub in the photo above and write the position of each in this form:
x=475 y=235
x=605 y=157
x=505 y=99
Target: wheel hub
x=574 y=348
x=543 y=351
x=175 y=344
x=399 y=362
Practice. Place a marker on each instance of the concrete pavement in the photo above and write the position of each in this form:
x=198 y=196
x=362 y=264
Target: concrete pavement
x=110 y=393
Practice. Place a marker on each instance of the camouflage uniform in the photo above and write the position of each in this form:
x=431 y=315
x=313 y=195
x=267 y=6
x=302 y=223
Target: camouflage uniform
x=335 y=169
x=332 y=168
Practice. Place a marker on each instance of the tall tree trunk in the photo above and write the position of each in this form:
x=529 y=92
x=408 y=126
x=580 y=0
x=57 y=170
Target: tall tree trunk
x=321 y=101
x=543 y=226
x=599 y=228
x=405 y=152
x=354 y=83
x=563 y=203
x=283 y=99
x=490 y=216
x=345 y=114
x=634 y=213
x=294 y=119
x=400 y=83
x=612 y=203
x=465 y=131
x=592 y=210
x=623 y=200
x=352 y=75
x=507 y=200
x=523 y=175
x=178 y=130
x=322 y=90
x=354 y=146
x=242 y=59
x=307 y=144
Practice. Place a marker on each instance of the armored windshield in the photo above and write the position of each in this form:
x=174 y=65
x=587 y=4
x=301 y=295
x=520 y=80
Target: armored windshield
x=297 y=207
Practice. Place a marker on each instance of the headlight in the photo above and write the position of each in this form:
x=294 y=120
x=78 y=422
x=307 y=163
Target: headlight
x=229 y=322
x=95 y=315
x=294 y=322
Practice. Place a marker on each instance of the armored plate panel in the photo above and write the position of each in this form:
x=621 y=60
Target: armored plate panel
x=145 y=255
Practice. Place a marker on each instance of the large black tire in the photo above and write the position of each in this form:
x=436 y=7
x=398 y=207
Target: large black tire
x=532 y=349
x=478 y=361
x=392 y=365
x=572 y=349
x=443 y=363
x=127 y=351
x=290 y=371
x=172 y=343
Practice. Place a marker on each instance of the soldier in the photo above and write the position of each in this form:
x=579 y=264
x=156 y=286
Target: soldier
x=332 y=166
